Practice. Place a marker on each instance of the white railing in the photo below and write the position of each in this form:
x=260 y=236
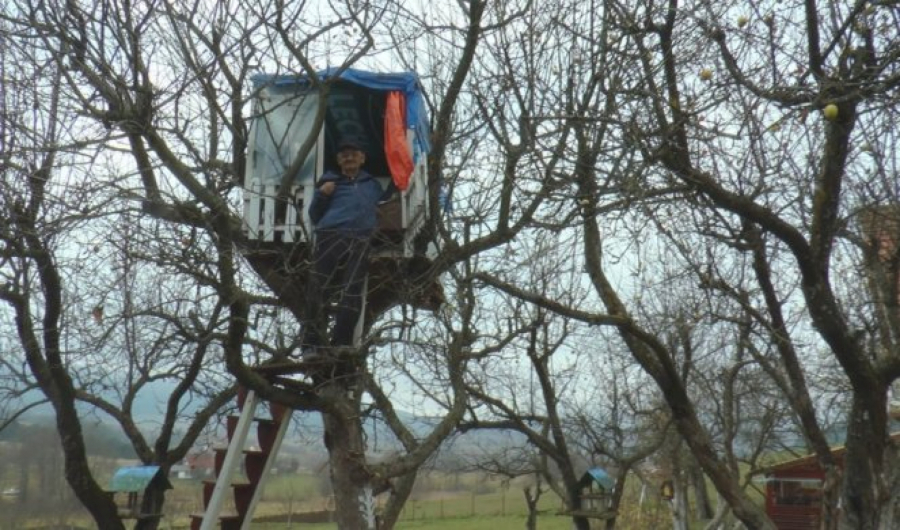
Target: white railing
x=265 y=221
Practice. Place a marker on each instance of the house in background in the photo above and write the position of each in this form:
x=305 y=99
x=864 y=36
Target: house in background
x=794 y=493
x=794 y=490
x=199 y=465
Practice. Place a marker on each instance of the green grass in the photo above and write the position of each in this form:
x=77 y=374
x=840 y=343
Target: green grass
x=497 y=503
x=510 y=522
x=439 y=501
x=486 y=523
x=285 y=486
x=493 y=509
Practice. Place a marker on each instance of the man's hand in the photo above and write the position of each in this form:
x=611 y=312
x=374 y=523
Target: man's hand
x=328 y=188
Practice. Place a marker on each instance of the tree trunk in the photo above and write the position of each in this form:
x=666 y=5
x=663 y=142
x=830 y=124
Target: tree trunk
x=578 y=522
x=866 y=478
x=831 y=498
x=701 y=493
x=350 y=478
x=531 y=501
x=151 y=503
x=400 y=490
x=581 y=523
x=679 y=503
x=719 y=518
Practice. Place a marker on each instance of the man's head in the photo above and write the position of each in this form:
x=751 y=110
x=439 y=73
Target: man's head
x=350 y=157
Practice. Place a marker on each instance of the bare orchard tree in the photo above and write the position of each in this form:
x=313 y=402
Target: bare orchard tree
x=788 y=193
x=745 y=151
x=160 y=93
x=726 y=149
x=542 y=88
x=708 y=149
x=430 y=358
x=89 y=327
x=555 y=383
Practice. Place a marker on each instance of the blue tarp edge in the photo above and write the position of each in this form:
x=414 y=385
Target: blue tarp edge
x=407 y=82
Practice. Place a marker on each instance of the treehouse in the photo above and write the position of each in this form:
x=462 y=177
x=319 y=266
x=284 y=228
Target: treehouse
x=384 y=112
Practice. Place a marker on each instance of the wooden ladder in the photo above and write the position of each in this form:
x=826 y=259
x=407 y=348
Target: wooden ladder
x=257 y=464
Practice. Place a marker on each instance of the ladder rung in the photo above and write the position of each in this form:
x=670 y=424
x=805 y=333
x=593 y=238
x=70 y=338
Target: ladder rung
x=245 y=494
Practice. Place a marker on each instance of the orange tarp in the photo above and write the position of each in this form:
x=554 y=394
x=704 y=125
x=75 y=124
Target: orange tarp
x=396 y=148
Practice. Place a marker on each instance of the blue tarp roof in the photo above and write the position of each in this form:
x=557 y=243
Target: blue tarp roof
x=407 y=82
x=134 y=479
x=597 y=476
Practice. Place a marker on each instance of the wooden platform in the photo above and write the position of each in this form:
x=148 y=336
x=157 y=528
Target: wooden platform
x=320 y=370
x=287 y=367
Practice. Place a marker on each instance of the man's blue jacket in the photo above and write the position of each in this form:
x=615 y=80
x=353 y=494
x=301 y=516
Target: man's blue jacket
x=352 y=206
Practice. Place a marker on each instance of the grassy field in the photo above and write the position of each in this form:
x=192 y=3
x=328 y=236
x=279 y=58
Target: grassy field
x=509 y=522
x=465 y=502
x=440 y=502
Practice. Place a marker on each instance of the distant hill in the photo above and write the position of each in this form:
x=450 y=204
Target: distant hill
x=105 y=438
x=101 y=439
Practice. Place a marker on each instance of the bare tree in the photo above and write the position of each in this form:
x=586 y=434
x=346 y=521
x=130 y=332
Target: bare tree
x=723 y=150
x=731 y=140
x=156 y=95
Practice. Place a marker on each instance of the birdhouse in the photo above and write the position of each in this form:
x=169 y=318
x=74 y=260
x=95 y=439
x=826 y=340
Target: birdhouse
x=596 y=487
x=129 y=485
x=385 y=112
x=667 y=490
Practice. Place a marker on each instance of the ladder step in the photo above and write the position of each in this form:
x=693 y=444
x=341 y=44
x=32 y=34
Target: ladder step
x=210 y=484
x=251 y=458
x=277 y=411
x=232 y=421
x=254 y=463
x=243 y=493
x=266 y=432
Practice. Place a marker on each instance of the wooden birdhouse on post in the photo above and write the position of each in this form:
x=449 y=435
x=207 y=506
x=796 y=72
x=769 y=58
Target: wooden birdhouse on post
x=129 y=486
x=596 y=488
